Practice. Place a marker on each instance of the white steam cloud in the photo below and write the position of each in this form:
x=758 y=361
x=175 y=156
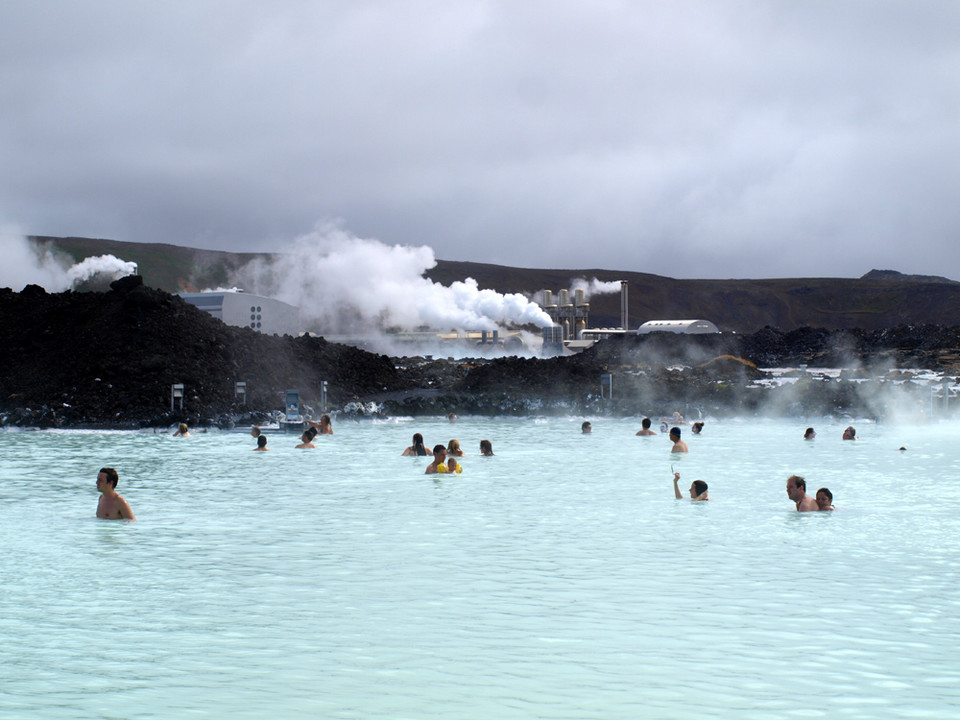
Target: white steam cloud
x=27 y=263
x=346 y=284
x=105 y=267
x=594 y=287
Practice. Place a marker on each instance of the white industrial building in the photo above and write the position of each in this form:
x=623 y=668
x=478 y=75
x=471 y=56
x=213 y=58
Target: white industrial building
x=263 y=314
x=688 y=327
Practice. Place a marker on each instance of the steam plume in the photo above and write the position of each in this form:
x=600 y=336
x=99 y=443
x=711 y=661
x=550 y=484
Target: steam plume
x=595 y=287
x=27 y=263
x=343 y=283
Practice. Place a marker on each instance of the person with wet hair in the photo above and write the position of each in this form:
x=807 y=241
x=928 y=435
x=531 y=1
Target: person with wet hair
x=809 y=434
x=182 y=431
x=261 y=444
x=307 y=439
x=418 y=449
x=825 y=499
x=697 y=427
x=797 y=491
x=324 y=427
x=111 y=505
x=850 y=433
x=645 y=427
x=698 y=489
x=679 y=446
x=586 y=428
x=486 y=448
x=439 y=457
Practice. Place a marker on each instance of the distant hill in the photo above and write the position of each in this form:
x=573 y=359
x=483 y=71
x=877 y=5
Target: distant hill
x=877 y=300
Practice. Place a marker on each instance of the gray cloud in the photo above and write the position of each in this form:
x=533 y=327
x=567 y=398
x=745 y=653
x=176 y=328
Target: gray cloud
x=692 y=139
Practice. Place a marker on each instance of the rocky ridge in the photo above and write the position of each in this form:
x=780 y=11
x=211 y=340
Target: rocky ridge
x=89 y=359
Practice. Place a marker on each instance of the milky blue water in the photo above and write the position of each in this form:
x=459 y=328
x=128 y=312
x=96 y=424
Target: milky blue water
x=559 y=579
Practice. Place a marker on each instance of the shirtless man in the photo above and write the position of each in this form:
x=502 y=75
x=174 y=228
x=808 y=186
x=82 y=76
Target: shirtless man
x=324 y=427
x=307 y=440
x=112 y=506
x=439 y=456
x=679 y=445
x=698 y=490
x=645 y=427
x=797 y=491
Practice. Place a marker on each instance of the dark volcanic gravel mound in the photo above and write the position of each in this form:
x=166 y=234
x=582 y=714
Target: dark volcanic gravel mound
x=110 y=359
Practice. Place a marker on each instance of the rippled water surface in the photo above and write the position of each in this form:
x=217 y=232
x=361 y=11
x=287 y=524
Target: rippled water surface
x=559 y=579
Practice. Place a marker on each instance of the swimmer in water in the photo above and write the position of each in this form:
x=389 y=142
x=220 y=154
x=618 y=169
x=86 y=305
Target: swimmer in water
x=308 y=435
x=486 y=448
x=825 y=499
x=452 y=466
x=809 y=434
x=586 y=428
x=439 y=456
x=111 y=505
x=324 y=427
x=261 y=444
x=418 y=449
x=797 y=491
x=645 y=427
x=679 y=446
x=698 y=489
x=850 y=433
x=255 y=431
x=453 y=448
x=697 y=427
x=182 y=431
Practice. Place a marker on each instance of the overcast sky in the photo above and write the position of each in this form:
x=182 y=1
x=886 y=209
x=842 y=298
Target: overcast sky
x=690 y=138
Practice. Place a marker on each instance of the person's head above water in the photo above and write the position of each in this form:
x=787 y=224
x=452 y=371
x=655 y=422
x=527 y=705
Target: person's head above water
x=675 y=432
x=796 y=487
x=110 y=476
x=809 y=434
x=698 y=488
x=486 y=447
x=645 y=423
x=261 y=441
x=850 y=433
x=825 y=499
x=586 y=427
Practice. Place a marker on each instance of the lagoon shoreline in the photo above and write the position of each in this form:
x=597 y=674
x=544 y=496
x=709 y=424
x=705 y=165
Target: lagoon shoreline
x=108 y=360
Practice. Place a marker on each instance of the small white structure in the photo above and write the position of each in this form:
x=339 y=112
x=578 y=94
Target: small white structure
x=263 y=314
x=688 y=327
